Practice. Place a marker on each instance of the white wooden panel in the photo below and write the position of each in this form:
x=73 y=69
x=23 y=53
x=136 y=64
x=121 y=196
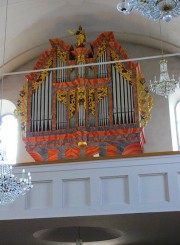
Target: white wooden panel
x=40 y=196
x=115 y=190
x=76 y=192
x=153 y=188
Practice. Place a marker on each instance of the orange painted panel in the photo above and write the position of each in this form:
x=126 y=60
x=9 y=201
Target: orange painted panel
x=133 y=149
x=72 y=152
x=52 y=155
x=36 y=156
x=91 y=150
x=111 y=150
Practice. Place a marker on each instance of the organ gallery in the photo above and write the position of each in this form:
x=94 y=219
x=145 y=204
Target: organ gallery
x=83 y=103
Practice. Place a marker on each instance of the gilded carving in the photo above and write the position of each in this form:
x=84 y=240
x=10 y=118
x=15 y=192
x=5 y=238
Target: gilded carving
x=102 y=92
x=92 y=100
x=62 y=55
x=81 y=96
x=72 y=102
x=101 y=50
x=81 y=58
x=145 y=100
x=21 y=110
x=121 y=68
x=62 y=96
x=43 y=75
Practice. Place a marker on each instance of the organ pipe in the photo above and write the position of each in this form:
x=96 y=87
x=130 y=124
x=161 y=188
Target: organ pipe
x=41 y=106
x=123 y=99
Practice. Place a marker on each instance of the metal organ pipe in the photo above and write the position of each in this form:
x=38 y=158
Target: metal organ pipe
x=100 y=113
x=41 y=106
x=123 y=99
x=103 y=110
x=106 y=111
x=49 y=99
x=82 y=115
x=81 y=70
x=102 y=68
x=114 y=95
x=132 y=104
x=104 y=65
x=60 y=107
x=61 y=74
x=61 y=115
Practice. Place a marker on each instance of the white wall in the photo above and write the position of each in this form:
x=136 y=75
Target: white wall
x=157 y=131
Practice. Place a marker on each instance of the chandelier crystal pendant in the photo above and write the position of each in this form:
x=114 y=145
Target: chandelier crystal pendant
x=166 y=85
x=10 y=186
x=152 y=9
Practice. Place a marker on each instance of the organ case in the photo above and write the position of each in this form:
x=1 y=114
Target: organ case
x=90 y=106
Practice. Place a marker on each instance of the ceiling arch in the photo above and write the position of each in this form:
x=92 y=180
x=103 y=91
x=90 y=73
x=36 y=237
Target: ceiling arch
x=31 y=23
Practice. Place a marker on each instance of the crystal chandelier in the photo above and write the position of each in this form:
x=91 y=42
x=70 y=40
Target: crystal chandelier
x=152 y=9
x=10 y=186
x=165 y=85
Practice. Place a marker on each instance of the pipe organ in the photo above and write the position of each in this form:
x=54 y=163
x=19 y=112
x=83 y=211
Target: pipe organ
x=86 y=107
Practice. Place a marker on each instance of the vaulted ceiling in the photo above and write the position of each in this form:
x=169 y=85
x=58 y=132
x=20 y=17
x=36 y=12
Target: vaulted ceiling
x=30 y=23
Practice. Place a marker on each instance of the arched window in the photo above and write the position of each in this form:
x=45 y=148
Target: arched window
x=177 y=113
x=9 y=131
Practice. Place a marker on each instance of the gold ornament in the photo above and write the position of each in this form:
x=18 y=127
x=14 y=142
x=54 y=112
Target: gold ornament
x=81 y=96
x=145 y=100
x=92 y=100
x=62 y=96
x=43 y=75
x=101 y=50
x=102 y=92
x=72 y=102
x=121 y=68
x=62 y=55
x=81 y=59
x=21 y=111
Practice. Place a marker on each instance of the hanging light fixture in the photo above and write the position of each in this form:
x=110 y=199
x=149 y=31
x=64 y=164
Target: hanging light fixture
x=10 y=186
x=152 y=9
x=165 y=85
